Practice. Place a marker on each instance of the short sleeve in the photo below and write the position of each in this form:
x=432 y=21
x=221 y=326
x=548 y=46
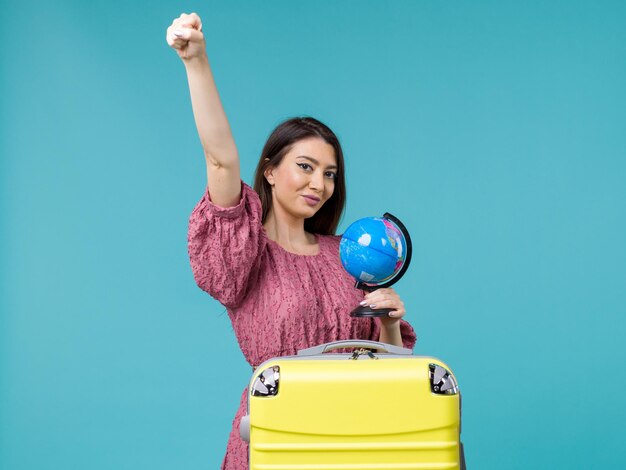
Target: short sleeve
x=409 y=338
x=225 y=246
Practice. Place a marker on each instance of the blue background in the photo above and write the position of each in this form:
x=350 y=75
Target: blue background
x=494 y=130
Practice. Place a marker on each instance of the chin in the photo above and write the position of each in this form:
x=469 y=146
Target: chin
x=308 y=215
x=310 y=211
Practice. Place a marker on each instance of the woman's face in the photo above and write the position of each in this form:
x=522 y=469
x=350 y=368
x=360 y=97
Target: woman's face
x=305 y=178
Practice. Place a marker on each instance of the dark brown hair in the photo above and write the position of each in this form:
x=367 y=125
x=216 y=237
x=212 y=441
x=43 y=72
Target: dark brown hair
x=281 y=140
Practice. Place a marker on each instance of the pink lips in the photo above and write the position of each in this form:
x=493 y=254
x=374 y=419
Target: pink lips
x=311 y=200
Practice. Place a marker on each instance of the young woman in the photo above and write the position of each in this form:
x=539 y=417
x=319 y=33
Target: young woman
x=269 y=254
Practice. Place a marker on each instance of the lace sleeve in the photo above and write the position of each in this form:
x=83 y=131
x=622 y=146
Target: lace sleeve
x=225 y=245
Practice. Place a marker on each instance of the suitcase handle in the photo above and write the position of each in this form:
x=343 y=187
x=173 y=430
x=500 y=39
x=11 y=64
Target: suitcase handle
x=355 y=343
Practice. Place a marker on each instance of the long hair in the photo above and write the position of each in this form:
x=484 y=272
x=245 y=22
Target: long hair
x=325 y=220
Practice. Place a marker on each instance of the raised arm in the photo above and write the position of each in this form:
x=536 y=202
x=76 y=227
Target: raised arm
x=220 y=152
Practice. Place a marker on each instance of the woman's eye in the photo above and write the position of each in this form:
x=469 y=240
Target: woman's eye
x=304 y=166
x=332 y=175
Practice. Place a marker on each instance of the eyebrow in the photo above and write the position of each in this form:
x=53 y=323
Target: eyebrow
x=330 y=167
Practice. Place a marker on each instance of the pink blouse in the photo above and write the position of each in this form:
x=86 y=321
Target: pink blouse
x=278 y=301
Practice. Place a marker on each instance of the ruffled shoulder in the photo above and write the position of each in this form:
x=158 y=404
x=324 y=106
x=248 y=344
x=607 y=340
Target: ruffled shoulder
x=225 y=244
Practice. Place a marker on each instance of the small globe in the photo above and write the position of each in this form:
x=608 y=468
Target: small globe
x=373 y=249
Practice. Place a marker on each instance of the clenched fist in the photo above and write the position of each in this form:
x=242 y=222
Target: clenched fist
x=185 y=35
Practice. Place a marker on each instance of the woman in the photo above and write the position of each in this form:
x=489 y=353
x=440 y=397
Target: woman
x=269 y=255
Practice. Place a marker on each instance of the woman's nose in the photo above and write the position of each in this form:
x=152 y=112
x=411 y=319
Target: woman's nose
x=317 y=180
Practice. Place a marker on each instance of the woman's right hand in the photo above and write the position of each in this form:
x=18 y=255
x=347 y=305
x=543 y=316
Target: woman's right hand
x=185 y=36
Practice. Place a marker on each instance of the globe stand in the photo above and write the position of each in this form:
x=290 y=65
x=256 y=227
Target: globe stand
x=366 y=310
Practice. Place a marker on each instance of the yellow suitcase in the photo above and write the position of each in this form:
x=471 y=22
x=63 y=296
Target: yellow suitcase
x=383 y=410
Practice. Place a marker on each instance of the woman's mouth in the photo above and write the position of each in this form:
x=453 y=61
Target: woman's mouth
x=311 y=200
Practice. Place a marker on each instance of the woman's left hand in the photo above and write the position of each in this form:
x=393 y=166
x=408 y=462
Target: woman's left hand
x=386 y=298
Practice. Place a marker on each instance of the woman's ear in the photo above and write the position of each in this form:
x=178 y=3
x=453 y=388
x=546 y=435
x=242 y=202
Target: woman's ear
x=269 y=175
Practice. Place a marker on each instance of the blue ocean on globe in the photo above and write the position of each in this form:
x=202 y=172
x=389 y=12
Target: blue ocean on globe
x=372 y=249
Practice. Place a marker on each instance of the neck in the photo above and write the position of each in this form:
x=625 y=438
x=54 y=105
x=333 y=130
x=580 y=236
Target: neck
x=287 y=231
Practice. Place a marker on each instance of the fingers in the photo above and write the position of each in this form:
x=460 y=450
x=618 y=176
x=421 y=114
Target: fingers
x=397 y=307
x=185 y=21
x=189 y=34
x=386 y=303
x=180 y=36
x=192 y=20
x=385 y=298
x=381 y=294
x=184 y=29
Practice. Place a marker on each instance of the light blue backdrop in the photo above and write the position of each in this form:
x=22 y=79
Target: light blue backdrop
x=494 y=130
